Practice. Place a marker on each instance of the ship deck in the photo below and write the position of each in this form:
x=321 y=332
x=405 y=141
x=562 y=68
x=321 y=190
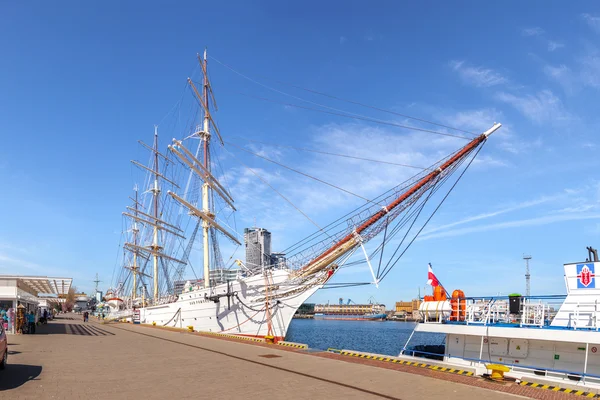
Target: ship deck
x=68 y=359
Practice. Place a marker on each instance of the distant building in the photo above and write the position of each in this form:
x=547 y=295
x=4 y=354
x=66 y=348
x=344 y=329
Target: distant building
x=217 y=277
x=306 y=309
x=99 y=296
x=81 y=302
x=179 y=285
x=408 y=309
x=258 y=247
x=222 y=275
x=408 y=306
x=278 y=259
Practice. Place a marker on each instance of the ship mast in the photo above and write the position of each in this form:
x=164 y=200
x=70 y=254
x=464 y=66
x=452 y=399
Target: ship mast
x=205 y=186
x=134 y=267
x=155 y=192
x=201 y=167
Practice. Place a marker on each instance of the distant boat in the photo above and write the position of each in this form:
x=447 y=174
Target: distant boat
x=350 y=311
x=352 y=317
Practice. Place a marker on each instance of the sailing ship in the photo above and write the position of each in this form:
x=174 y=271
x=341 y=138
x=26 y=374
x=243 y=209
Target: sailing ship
x=262 y=299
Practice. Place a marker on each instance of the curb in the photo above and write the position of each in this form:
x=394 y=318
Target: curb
x=292 y=344
x=561 y=390
x=397 y=361
x=225 y=335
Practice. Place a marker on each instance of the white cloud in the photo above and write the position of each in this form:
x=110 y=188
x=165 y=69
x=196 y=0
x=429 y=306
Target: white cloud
x=590 y=69
x=478 y=120
x=535 y=31
x=478 y=217
x=517 y=146
x=562 y=75
x=541 y=108
x=477 y=76
x=552 y=45
x=593 y=21
x=537 y=221
x=568 y=205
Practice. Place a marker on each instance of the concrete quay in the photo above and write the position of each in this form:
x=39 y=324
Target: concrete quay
x=68 y=359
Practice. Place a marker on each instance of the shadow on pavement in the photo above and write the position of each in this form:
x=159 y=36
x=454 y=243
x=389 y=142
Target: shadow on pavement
x=72 y=328
x=16 y=375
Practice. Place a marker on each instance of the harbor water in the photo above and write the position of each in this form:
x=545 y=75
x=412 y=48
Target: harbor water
x=387 y=337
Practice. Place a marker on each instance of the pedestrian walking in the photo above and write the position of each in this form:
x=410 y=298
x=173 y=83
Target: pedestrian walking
x=31 y=322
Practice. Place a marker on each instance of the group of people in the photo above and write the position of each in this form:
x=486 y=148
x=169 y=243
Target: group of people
x=86 y=316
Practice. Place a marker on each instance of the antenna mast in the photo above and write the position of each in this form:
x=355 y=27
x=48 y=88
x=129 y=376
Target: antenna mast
x=527 y=276
x=97 y=281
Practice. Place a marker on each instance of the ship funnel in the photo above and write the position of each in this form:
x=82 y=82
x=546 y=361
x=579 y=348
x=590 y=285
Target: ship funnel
x=592 y=254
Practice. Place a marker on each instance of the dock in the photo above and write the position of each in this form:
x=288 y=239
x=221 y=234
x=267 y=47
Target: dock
x=69 y=359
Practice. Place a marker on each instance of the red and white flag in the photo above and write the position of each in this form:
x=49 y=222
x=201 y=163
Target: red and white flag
x=431 y=279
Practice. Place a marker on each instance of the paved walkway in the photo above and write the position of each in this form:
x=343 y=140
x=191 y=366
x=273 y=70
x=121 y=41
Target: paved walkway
x=68 y=359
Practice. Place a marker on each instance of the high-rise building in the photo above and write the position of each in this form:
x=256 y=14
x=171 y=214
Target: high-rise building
x=258 y=247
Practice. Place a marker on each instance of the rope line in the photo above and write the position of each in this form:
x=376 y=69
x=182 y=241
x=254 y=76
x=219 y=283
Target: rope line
x=329 y=153
x=301 y=173
x=328 y=107
x=360 y=118
x=276 y=191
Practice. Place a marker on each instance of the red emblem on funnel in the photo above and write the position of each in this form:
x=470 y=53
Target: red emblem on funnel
x=585 y=276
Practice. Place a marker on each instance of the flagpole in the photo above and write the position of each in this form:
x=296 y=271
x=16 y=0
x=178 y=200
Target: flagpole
x=438 y=281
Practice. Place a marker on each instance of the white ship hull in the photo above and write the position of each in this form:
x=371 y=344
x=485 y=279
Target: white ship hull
x=244 y=311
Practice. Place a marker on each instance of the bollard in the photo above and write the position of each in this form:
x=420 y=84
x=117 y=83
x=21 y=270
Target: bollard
x=190 y=328
x=498 y=371
x=153 y=323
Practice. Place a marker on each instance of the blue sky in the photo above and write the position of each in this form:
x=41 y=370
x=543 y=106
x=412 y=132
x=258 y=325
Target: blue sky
x=81 y=83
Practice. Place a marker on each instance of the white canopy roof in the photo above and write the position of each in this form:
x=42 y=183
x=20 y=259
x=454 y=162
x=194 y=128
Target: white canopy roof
x=43 y=284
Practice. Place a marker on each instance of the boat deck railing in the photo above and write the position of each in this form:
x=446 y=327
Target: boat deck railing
x=516 y=311
x=566 y=375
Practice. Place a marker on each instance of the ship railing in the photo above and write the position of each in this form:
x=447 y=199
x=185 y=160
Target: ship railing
x=566 y=375
x=582 y=309
x=532 y=311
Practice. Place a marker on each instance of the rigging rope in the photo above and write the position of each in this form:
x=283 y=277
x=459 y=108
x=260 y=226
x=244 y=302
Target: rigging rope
x=301 y=173
x=360 y=118
x=275 y=190
x=374 y=108
x=435 y=210
x=343 y=219
x=330 y=154
x=328 y=107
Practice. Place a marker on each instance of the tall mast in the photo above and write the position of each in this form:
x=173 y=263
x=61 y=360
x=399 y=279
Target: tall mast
x=155 y=193
x=134 y=268
x=205 y=186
